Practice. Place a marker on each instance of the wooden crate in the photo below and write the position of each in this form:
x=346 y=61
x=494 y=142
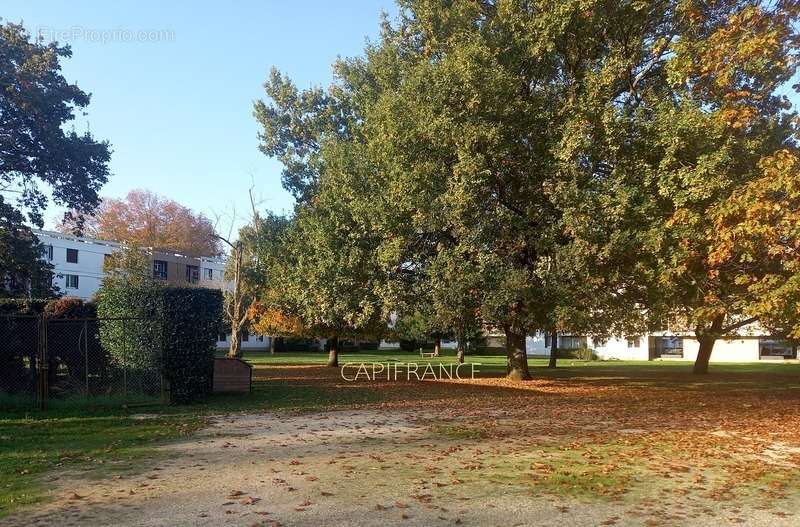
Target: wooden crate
x=232 y=376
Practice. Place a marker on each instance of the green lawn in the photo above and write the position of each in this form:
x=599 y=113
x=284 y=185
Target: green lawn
x=496 y=363
x=96 y=438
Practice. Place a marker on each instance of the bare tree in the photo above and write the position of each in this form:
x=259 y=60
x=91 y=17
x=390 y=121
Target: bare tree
x=237 y=301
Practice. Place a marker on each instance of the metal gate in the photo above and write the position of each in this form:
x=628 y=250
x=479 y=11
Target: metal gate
x=80 y=361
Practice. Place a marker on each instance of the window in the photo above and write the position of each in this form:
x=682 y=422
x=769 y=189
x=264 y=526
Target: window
x=72 y=255
x=160 y=269
x=245 y=336
x=71 y=281
x=634 y=342
x=47 y=252
x=668 y=346
x=571 y=342
x=222 y=337
x=776 y=349
x=192 y=274
x=567 y=342
x=208 y=274
x=260 y=338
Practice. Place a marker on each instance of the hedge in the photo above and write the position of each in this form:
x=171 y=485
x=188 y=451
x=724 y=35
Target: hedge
x=177 y=333
x=22 y=306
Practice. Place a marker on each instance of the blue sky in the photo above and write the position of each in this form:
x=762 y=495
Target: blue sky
x=177 y=106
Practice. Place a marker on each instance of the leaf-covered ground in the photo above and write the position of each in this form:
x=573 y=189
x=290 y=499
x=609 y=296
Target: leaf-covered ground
x=613 y=444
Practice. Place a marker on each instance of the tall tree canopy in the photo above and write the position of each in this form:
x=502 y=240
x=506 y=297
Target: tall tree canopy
x=684 y=142
x=36 y=148
x=36 y=104
x=560 y=163
x=146 y=219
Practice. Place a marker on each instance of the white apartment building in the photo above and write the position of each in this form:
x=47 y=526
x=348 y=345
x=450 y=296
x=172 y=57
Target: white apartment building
x=78 y=271
x=750 y=345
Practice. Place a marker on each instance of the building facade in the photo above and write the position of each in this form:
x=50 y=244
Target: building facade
x=78 y=270
x=749 y=346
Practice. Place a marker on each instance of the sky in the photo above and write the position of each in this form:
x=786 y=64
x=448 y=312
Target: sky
x=173 y=85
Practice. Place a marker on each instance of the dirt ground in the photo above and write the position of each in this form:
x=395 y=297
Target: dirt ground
x=486 y=452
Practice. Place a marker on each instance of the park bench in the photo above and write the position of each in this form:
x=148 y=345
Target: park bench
x=426 y=354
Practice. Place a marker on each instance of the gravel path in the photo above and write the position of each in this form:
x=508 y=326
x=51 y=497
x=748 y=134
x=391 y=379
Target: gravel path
x=362 y=467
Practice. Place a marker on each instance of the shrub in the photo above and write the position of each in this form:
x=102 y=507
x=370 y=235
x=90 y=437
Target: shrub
x=409 y=345
x=178 y=333
x=69 y=307
x=22 y=306
x=577 y=353
x=297 y=344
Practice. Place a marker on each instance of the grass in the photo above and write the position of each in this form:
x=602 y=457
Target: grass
x=92 y=435
x=33 y=447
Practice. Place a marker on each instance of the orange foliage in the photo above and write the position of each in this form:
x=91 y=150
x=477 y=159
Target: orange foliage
x=272 y=321
x=146 y=219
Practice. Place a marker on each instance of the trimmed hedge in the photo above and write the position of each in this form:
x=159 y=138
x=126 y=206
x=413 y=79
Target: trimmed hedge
x=193 y=317
x=178 y=333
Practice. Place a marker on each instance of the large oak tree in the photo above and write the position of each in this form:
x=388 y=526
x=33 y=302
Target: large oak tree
x=38 y=149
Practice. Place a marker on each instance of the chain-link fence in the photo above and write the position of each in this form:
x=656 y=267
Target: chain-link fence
x=75 y=361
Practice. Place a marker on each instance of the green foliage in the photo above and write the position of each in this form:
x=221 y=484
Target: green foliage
x=69 y=307
x=37 y=105
x=132 y=316
x=493 y=169
x=22 y=306
x=25 y=272
x=173 y=329
x=192 y=319
x=578 y=353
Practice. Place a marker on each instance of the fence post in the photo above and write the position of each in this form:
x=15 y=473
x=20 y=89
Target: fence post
x=86 y=353
x=42 y=366
x=124 y=362
x=161 y=361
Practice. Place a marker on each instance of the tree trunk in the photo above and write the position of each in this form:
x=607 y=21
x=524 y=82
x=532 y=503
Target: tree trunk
x=333 y=354
x=460 y=347
x=235 y=307
x=437 y=347
x=553 y=348
x=706 y=337
x=233 y=351
x=517 y=358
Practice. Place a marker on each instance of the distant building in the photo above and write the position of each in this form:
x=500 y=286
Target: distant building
x=78 y=264
x=749 y=345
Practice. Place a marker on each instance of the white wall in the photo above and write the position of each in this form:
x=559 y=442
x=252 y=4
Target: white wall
x=618 y=348
x=534 y=345
x=735 y=350
x=89 y=268
x=253 y=343
x=217 y=267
